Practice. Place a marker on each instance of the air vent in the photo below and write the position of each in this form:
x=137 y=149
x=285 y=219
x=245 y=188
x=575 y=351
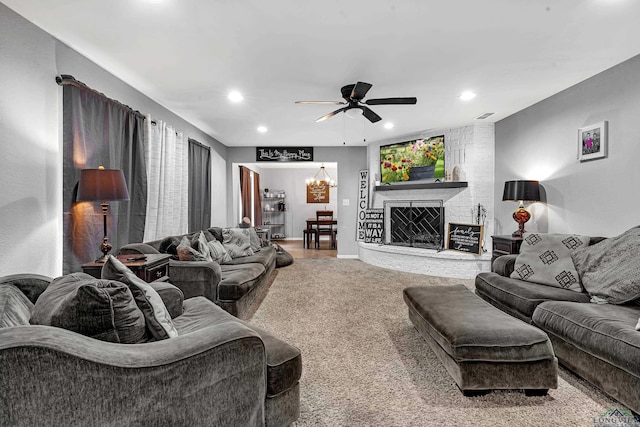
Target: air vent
x=484 y=116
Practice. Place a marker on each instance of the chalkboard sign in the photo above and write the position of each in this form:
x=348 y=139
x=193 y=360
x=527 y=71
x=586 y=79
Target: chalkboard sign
x=465 y=238
x=373 y=225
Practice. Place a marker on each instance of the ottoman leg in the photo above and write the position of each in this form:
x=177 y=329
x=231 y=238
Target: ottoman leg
x=536 y=392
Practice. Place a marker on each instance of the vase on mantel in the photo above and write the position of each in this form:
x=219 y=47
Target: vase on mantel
x=421 y=172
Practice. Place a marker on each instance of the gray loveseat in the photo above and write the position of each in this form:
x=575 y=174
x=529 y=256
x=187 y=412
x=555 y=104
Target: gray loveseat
x=219 y=371
x=596 y=341
x=234 y=286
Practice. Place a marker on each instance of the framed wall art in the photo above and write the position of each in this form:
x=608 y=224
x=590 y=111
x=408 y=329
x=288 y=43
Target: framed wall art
x=592 y=142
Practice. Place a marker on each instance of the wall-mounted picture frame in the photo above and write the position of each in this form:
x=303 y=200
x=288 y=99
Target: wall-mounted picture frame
x=593 y=141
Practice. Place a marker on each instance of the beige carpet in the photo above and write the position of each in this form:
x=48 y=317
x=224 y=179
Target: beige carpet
x=366 y=365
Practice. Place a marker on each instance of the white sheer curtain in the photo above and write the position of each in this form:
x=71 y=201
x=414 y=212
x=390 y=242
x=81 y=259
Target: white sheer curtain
x=167 y=156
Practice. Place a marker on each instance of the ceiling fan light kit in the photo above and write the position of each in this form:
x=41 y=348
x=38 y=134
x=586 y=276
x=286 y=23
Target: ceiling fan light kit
x=353 y=96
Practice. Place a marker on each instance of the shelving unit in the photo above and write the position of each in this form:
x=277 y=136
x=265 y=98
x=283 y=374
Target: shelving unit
x=274 y=211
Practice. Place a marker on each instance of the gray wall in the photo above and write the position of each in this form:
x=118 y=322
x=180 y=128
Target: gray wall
x=30 y=137
x=598 y=197
x=349 y=159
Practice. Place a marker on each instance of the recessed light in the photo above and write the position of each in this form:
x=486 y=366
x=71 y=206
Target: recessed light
x=262 y=129
x=235 y=96
x=388 y=125
x=467 y=96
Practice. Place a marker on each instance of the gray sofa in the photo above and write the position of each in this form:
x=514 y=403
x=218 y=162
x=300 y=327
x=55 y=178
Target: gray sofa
x=596 y=341
x=217 y=371
x=234 y=286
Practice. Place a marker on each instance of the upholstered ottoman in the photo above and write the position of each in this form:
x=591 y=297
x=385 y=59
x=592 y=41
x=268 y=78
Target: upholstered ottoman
x=481 y=347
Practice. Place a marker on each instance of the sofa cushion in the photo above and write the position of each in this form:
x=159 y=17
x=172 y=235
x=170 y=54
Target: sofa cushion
x=218 y=252
x=156 y=315
x=520 y=298
x=604 y=331
x=237 y=242
x=546 y=259
x=216 y=232
x=187 y=253
x=284 y=362
x=15 y=307
x=238 y=280
x=101 y=309
x=610 y=270
x=265 y=257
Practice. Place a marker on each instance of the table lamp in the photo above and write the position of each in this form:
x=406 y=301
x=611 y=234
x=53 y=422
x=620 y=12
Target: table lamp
x=102 y=185
x=521 y=191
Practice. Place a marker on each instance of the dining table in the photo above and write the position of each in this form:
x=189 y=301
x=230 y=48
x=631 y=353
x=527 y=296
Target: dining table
x=311 y=223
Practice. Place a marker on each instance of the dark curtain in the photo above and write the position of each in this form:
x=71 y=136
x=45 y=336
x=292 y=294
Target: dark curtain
x=99 y=131
x=199 y=186
x=245 y=191
x=257 y=214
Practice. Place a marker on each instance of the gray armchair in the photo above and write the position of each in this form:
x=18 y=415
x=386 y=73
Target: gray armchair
x=214 y=373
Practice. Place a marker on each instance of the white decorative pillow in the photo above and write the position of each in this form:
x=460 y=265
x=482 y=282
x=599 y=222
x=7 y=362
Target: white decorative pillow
x=254 y=239
x=218 y=252
x=237 y=242
x=610 y=269
x=546 y=259
x=156 y=315
x=187 y=253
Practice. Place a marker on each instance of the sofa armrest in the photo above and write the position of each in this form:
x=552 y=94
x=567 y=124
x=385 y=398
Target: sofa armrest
x=32 y=285
x=196 y=278
x=504 y=265
x=213 y=376
x=171 y=295
x=137 y=248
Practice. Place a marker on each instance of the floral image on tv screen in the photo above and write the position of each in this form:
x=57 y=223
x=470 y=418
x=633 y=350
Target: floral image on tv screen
x=421 y=159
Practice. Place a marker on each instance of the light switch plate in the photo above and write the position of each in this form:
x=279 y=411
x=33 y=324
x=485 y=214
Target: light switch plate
x=345 y=202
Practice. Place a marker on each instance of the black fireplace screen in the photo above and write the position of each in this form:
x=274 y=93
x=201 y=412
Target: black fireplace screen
x=415 y=223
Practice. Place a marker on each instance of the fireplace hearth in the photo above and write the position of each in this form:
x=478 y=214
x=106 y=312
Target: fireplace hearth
x=415 y=223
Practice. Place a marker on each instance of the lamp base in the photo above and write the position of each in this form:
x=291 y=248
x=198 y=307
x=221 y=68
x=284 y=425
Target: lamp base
x=105 y=248
x=521 y=215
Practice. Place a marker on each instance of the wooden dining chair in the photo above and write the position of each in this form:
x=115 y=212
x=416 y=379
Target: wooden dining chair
x=324 y=227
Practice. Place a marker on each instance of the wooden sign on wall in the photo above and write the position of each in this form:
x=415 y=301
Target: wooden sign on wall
x=318 y=193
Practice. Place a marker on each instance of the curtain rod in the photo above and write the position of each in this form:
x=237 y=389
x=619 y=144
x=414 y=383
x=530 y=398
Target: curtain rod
x=199 y=143
x=66 y=79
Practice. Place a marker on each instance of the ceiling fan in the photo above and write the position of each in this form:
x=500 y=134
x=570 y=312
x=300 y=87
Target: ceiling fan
x=353 y=95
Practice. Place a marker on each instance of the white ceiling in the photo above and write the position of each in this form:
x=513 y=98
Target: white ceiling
x=188 y=54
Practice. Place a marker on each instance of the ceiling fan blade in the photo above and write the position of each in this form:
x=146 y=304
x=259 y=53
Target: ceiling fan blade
x=360 y=90
x=370 y=115
x=389 y=101
x=333 y=113
x=322 y=102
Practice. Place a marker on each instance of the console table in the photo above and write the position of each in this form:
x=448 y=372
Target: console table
x=153 y=267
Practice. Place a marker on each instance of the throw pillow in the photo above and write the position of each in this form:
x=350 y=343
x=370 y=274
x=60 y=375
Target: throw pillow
x=217 y=233
x=15 y=307
x=218 y=252
x=101 y=309
x=157 y=317
x=169 y=245
x=610 y=270
x=254 y=240
x=237 y=242
x=546 y=259
x=187 y=253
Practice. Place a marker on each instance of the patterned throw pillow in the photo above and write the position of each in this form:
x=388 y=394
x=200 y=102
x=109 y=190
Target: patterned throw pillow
x=546 y=259
x=610 y=270
x=254 y=239
x=157 y=317
x=101 y=309
x=15 y=307
x=237 y=242
x=218 y=252
x=187 y=253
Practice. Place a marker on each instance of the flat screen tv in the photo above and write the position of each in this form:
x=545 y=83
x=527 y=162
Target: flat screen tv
x=416 y=160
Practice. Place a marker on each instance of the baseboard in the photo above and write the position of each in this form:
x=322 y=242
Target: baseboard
x=348 y=256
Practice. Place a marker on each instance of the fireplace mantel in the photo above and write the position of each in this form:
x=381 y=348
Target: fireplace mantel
x=422 y=185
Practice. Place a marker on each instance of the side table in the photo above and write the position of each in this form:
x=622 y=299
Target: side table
x=153 y=267
x=505 y=245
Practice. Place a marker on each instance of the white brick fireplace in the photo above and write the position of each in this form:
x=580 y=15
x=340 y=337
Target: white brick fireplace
x=470 y=150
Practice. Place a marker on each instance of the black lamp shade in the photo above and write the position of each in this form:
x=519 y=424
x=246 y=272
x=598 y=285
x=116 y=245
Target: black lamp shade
x=102 y=185
x=521 y=191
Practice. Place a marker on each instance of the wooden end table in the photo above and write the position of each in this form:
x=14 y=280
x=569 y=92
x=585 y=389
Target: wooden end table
x=153 y=267
x=505 y=245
